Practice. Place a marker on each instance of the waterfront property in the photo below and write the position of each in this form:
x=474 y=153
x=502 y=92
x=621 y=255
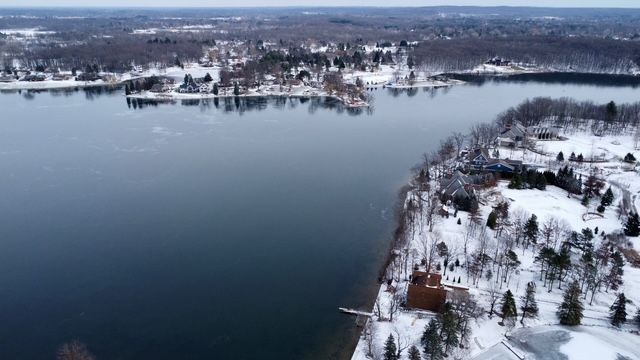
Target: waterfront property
x=427 y=291
x=479 y=160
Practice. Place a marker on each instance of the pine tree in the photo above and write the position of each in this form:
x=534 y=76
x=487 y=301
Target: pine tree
x=632 y=228
x=208 y=78
x=618 y=314
x=531 y=230
x=585 y=200
x=612 y=111
x=571 y=308
x=390 y=349
x=629 y=158
x=492 y=220
x=414 y=353
x=529 y=306
x=236 y=89
x=541 y=181
x=516 y=182
x=432 y=342
x=607 y=198
x=560 y=156
x=508 y=306
x=448 y=327
x=215 y=89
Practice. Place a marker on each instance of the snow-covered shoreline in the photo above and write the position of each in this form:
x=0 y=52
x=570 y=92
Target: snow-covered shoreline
x=487 y=339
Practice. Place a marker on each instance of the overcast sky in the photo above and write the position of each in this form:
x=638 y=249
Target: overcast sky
x=229 y=3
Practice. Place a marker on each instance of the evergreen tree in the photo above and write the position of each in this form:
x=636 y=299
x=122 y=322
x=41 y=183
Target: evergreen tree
x=508 y=306
x=629 y=158
x=448 y=327
x=571 y=308
x=607 y=198
x=215 y=89
x=531 y=230
x=516 y=182
x=414 y=353
x=208 y=78
x=585 y=200
x=612 y=110
x=492 y=220
x=236 y=89
x=432 y=342
x=541 y=181
x=390 y=349
x=529 y=305
x=560 y=156
x=618 y=314
x=632 y=228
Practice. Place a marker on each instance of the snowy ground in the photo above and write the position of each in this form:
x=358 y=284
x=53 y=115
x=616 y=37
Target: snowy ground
x=175 y=72
x=539 y=338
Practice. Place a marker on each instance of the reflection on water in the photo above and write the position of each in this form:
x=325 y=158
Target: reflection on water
x=553 y=78
x=230 y=228
x=245 y=104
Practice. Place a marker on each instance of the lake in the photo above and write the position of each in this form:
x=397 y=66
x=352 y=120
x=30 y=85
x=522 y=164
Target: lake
x=196 y=231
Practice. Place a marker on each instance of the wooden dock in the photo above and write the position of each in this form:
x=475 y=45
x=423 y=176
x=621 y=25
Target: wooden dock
x=355 y=312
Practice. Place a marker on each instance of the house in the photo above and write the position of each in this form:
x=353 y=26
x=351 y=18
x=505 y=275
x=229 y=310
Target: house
x=458 y=186
x=427 y=291
x=505 y=166
x=7 y=78
x=88 y=76
x=34 y=77
x=513 y=135
x=204 y=88
x=60 y=77
x=478 y=158
x=190 y=87
x=160 y=88
x=496 y=61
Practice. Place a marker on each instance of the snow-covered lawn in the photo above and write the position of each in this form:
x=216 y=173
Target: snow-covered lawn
x=596 y=339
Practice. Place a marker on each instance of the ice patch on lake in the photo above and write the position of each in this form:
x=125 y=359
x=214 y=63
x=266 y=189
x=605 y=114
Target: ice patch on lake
x=165 y=131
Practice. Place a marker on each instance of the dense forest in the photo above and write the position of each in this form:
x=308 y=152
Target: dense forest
x=441 y=38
